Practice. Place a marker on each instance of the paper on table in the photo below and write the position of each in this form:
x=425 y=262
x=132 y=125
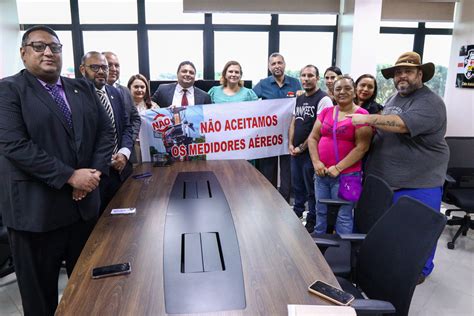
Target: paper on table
x=326 y=310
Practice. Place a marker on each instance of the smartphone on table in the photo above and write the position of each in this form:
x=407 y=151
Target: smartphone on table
x=114 y=269
x=331 y=293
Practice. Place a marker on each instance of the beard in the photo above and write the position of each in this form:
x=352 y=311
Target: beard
x=406 y=87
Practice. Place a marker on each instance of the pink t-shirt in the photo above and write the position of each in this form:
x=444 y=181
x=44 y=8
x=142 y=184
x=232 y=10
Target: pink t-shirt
x=345 y=135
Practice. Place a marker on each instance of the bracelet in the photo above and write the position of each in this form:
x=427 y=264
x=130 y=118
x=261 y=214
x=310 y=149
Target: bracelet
x=301 y=147
x=335 y=166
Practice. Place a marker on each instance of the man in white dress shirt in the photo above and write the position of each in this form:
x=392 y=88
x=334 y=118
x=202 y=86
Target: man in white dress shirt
x=182 y=93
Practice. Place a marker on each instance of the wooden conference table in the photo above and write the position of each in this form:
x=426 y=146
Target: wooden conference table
x=279 y=259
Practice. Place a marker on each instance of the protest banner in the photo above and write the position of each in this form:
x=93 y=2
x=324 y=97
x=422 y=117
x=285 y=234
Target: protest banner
x=241 y=130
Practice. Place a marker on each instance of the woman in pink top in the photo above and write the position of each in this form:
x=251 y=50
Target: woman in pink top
x=352 y=143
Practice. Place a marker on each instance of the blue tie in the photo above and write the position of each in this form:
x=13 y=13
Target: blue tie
x=56 y=94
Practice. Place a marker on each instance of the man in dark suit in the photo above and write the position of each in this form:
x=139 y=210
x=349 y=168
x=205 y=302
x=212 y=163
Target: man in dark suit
x=113 y=78
x=94 y=68
x=55 y=144
x=183 y=92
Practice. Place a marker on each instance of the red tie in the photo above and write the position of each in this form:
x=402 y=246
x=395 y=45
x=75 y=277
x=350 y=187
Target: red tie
x=184 y=100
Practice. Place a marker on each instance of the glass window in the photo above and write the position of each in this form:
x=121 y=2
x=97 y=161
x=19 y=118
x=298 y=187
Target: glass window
x=389 y=48
x=307 y=19
x=107 y=11
x=164 y=60
x=237 y=18
x=437 y=50
x=65 y=37
x=398 y=24
x=113 y=41
x=317 y=50
x=439 y=25
x=44 y=12
x=68 y=56
x=170 y=12
x=233 y=46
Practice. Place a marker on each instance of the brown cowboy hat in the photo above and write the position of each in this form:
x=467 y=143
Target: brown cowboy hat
x=410 y=59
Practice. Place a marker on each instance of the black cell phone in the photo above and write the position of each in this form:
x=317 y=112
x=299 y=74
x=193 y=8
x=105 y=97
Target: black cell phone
x=114 y=269
x=166 y=163
x=142 y=175
x=331 y=293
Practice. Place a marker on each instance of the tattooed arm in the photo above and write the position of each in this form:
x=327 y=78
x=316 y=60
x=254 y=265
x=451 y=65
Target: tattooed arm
x=390 y=123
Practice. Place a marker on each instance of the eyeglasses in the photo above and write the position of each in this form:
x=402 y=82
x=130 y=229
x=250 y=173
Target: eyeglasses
x=40 y=47
x=95 y=68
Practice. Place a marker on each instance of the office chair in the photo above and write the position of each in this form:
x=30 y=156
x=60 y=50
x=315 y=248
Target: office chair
x=375 y=200
x=6 y=259
x=459 y=189
x=392 y=256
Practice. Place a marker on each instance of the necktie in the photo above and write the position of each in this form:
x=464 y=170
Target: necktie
x=56 y=94
x=184 y=100
x=108 y=108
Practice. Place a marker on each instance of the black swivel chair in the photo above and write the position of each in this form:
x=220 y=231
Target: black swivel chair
x=459 y=189
x=392 y=256
x=375 y=200
x=6 y=259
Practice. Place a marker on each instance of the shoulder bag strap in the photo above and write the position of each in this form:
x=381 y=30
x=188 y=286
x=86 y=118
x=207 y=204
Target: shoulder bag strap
x=334 y=139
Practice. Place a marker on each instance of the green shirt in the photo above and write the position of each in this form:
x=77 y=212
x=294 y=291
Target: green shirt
x=244 y=94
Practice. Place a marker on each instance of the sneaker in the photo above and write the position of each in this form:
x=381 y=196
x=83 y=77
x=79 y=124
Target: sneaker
x=421 y=279
x=310 y=226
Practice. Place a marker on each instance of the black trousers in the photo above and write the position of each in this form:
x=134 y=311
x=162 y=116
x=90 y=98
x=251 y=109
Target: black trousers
x=109 y=185
x=269 y=168
x=37 y=258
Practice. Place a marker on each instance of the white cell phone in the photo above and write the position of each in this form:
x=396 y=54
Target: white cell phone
x=331 y=293
x=118 y=211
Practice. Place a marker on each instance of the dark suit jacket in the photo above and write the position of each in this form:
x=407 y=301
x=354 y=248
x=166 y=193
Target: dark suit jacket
x=122 y=125
x=163 y=96
x=135 y=119
x=39 y=152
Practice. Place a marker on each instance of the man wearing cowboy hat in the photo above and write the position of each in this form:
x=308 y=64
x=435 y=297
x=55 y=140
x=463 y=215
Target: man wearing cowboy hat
x=408 y=149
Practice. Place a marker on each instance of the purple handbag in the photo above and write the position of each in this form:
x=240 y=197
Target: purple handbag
x=350 y=186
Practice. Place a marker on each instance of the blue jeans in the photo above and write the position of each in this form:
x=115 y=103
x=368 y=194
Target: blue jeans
x=302 y=177
x=431 y=197
x=327 y=188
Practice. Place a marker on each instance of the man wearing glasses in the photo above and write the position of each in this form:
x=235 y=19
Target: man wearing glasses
x=94 y=68
x=113 y=80
x=55 y=145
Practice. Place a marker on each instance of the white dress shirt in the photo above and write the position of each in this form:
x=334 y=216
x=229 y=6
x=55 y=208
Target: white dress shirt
x=178 y=95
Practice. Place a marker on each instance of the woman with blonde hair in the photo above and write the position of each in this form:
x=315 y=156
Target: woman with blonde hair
x=231 y=88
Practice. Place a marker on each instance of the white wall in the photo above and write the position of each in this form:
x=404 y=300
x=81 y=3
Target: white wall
x=9 y=38
x=367 y=15
x=344 y=36
x=359 y=25
x=460 y=101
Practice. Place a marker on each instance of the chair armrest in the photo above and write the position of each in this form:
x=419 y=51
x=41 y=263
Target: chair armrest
x=370 y=307
x=334 y=202
x=449 y=179
x=321 y=242
x=353 y=237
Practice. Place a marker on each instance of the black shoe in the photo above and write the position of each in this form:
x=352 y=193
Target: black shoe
x=421 y=279
x=300 y=215
x=310 y=226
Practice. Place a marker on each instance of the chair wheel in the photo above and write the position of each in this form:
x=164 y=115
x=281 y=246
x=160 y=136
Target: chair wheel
x=450 y=245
